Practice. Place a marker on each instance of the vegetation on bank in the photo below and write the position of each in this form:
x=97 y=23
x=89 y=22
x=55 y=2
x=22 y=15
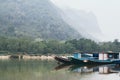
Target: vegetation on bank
x=30 y=46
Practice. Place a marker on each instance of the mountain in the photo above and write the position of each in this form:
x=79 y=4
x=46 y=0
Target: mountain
x=34 y=18
x=84 y=22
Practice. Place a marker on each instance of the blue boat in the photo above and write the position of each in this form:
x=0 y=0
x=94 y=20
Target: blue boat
x=69 y=60
x=85 y=58
x=103 y=58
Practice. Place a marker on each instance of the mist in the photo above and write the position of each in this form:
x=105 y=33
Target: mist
x=106 y=13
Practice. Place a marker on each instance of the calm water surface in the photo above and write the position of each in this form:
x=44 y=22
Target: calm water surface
x=50 y=70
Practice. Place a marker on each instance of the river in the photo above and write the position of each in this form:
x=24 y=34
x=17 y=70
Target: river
x=50 y=70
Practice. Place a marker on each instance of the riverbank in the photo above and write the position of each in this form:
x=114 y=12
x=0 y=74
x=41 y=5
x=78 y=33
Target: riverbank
x=27 y=57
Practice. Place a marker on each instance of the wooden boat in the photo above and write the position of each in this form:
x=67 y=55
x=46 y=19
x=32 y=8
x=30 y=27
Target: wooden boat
x=78 y=58
x=62 y=60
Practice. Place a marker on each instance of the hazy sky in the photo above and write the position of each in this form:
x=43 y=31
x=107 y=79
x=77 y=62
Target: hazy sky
x=106 y=11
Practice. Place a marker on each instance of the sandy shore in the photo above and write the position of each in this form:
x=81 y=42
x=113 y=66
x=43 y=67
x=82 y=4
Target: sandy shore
x=38 y=57
x=5 y=57
x=42 y=57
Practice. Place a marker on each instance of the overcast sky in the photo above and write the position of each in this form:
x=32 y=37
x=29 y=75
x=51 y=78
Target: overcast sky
x=106 y=11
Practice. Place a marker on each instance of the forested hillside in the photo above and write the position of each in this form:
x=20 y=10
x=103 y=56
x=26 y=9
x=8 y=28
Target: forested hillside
x=34 y=18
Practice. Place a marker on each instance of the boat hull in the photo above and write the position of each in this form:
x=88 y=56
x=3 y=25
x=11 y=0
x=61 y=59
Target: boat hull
x=87 y=61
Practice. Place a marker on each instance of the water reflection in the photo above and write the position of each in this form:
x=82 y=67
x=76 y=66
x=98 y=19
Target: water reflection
x=101 y=69
x=46 y=70
x=25 y=70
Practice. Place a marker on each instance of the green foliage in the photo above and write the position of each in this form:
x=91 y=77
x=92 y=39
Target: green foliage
x=84 y=45
x=111 y=46
x=30 y=46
